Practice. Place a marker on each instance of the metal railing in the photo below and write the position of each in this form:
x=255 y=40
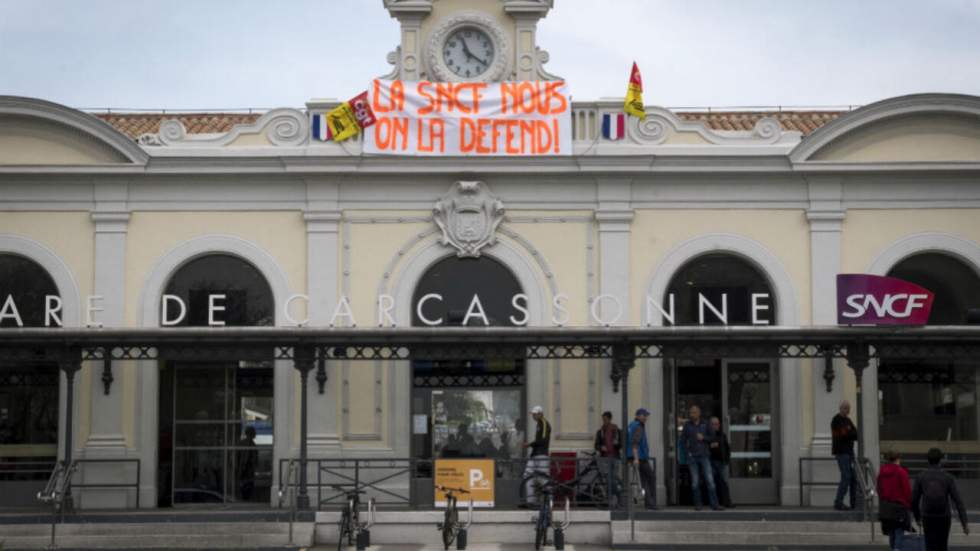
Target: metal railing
x=288 y=493
x=108 y=485
x=867 y=482
x=868 y=470
x=58 y=491
x=55 y=493
x=404 y=482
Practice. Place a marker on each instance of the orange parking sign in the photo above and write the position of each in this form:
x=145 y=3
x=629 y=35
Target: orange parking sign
x=472 y=475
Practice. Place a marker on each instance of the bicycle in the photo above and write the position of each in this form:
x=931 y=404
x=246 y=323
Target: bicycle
x=350 y=523
x=450 y=527
x=544 y=520
x=592 y=483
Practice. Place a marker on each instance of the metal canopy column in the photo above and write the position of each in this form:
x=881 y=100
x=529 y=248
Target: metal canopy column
x=70 y=363
x=303 y=362
x=624 y=358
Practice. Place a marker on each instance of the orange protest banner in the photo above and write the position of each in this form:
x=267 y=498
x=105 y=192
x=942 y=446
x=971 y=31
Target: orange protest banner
x=469 y=119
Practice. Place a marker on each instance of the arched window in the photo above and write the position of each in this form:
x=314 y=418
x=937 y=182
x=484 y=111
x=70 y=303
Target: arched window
x=216 y=418
x=956 y=286
x=473 y=406
x=720 y=283
x=25 y=284
x=932 y=400
x=28 y=392
x=458 y=280
x=222 y=281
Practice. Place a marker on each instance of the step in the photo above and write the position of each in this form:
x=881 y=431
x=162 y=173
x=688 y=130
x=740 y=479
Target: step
x=757 y=533
x=155 y=535
x=505 y=527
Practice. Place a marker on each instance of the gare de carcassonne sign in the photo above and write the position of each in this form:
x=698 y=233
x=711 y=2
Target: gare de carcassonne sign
x=862 y=299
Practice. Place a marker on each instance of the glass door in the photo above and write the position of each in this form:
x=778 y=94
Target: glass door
x=741 y=393
x=221 y=443
x=749 y=406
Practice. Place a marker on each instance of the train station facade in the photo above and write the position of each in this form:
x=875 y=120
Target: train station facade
x=224 y=221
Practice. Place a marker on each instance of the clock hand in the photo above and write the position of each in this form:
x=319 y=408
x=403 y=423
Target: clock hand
x=468 y=53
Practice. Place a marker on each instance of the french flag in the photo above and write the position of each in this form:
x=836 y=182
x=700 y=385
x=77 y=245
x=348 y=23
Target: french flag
x=320 y=129
x=614 y=126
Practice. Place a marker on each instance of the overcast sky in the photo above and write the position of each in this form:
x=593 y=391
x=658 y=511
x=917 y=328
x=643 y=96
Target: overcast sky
x=220 y=54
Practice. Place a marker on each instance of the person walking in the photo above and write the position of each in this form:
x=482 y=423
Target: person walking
x=843 y=436
x=895 y=500
x=721 y=456
x=638 y=450
x=696 y=437
x=537 y=464
x=608 y=446
x=934 y=488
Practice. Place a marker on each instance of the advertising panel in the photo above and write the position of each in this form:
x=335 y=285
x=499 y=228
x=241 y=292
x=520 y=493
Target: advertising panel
x=472 y=475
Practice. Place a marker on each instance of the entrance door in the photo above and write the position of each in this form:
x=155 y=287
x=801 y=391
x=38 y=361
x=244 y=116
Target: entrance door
x=741 y=394
x=749 y=421
x=216 y=434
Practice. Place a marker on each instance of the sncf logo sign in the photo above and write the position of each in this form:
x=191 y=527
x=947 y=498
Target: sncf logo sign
x=875 y=300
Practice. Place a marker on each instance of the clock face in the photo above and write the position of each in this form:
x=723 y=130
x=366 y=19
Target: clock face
x=468 y=52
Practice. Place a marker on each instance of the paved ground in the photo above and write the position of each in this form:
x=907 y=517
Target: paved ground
x=471 y=547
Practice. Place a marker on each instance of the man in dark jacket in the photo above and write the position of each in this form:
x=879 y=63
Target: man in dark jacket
x=696 y=437
x=538 y=468
x=608 y=443
x=721 y=456
x=843 y=436
x=933 y=490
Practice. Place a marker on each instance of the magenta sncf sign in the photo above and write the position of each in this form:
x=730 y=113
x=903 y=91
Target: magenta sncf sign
x=864 y=299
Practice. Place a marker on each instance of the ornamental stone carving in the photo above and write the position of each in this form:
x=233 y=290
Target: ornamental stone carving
x=468 y=216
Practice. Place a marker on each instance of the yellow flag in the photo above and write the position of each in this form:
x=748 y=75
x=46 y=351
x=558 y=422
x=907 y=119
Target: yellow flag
x=342 y=122
x=634 y=95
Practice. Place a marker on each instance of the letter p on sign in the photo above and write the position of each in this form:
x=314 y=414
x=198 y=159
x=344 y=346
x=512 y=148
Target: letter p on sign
x=476 y=479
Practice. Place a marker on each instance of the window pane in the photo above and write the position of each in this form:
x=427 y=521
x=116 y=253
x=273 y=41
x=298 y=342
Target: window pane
x=727 y=283
x=247 y=298
x=956 y=285
x=928 y=401
x=27 y=283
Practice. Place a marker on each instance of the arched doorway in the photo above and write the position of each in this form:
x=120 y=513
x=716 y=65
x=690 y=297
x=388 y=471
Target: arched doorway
x=467 y=407
x=723 y=289
x=216 y=417
x=934 y=402
x=28 y=391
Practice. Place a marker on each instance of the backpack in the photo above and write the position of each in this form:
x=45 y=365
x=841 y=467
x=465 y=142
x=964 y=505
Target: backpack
x=934 y=497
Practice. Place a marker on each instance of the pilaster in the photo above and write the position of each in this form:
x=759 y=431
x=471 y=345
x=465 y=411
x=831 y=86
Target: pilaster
x=106 y=437
x=825 y=216
x=408 y=57
x=526 y=15
x=323 y=218
x=614 y=217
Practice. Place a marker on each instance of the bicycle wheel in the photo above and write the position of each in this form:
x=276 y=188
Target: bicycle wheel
x=598 y=490
x=355 y=525
x=342 y=528
x=541 y=530
x=449 y=527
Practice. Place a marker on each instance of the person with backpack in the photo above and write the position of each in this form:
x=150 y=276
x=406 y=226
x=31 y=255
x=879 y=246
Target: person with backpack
x=934 y=488
x=895 y=494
